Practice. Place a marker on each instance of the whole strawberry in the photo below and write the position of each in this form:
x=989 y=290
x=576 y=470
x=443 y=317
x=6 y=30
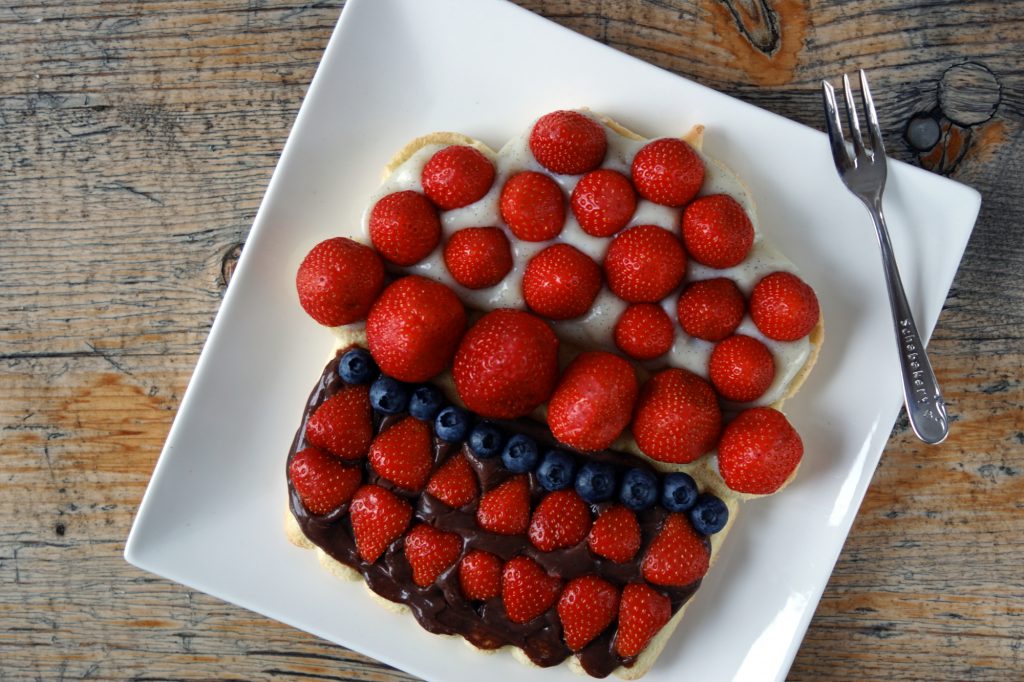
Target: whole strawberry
x=615 y=534
x=643 y=611
x=587 y=606
x=593 y=402
x=454 y=482
x=343 y=424
x=717 y=231
x=711 y=309
x=562 y=519
x=561 y=282
x=478 y=257
x=644 y=264
x=379 y=517
x=480 y=575
x=404 y=454
x=603 y=201
x=457 y=176
x=338 y=281
x=678 y=555
x=784 y=307
x=505 y=510
x=532 y=206
x=568 y=142
x=322 y=482
x=668 y=172
x=527 y=590
x=404 y=227
x=644 y=331
x=759 y=451
x=430 y=552
x=741 y=368
x=414 y=328
x=677 y=417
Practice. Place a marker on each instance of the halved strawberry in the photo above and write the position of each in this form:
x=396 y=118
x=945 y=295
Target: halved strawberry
x=784 y=307
x=568 y=142
x=456 y=176
x=480 y=575
x=644 y=331
x=478 y=257
x=717 y=231
x=532 y=206
x=643 y=611
x=430 y=552
x=759 y=451
x=741 y=368
x=668 y=172
x=338 y=281
x=322 y=482
x=505 y=510
x=587 y=606
x=454 y=482
x=527 y=590
x=677 y=417
x=343 y=424
x=711 y=309
x=678 y=555
x=379 y=517
x=615 y=535
x=644 y=264
x=404 y=227
x=404 y=454
x=561 y=282
x=603 y=201
x=561 y=520
x=593 y=402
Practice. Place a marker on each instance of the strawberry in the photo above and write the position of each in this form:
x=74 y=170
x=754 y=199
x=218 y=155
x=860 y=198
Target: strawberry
x=717 y=231
x=322 y=482
x=454 y=482
x=506 y=365
x=379 y=517
x=532 y=206
x=568 y=142
x=562 y=519
x=644 y=331
x=526 y=590
x=430 y=552
x=678 y=555
x=593 y=402
x=478 y=257
x=343 y=424
x=457 y=176
x=642 y=613
x=644 y=263
x=587 y=606
x=480 y=575
x=741 y=368
x=414 y=327
x=615 y=535
x=668 y=172
x=338 y=281
x=404 y=454
x=759 y=451
x=711 y=309
x=784 y=307
x=603 y=201
x=561 y=282
x=505 y=510
x=404 y=227
x=677 y=417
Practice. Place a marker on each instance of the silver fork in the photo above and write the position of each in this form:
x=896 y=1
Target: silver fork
x=863 y=173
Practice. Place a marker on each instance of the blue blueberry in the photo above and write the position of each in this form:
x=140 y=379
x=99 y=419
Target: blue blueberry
x=595 y=482
x=425 y=402
x=709 y=515
x=388 y=395
x=556 y=470
x=486 y=441
x=357 y=367
x=639 y=489
x=520 y=454
x=451 y=424
x=678 y=492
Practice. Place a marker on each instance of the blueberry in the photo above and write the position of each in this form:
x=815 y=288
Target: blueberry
x=709 y=515
x=451 y=424
x=520 y=454
x=485 y=441
x=639 y=489
x=388 y=395
x=425 y=402
x=678 y=492
x=357 y=367
x=596 y=482
x=556 y=470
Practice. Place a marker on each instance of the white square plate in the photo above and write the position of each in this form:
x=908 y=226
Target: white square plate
x=396 y=69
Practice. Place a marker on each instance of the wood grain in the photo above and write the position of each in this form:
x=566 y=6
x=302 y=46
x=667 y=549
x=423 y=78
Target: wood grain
x=137 y=140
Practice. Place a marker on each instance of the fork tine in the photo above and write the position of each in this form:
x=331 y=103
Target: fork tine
x=835 y=128
x=851 y=116
x=877 y=147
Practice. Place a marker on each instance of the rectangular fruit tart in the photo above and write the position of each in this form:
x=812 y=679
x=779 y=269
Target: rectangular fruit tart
x=558 y=370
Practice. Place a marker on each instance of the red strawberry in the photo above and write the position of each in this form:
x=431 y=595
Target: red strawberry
x=505 y=510
x=603 y=201
x=759 y=451
x=379 y=517
x=414 y=327
x=644 y=331
x=480 y=575
x=741 y=368
x=526 y=590
x=506 y=365
x=717 y=231
x=343 y=424
x=338 y=281
x=457 y=176
x=593 y=402
x=642 y=613
x=678 y=556
x=430 y=552
x=568 y=142
x=478 y=257
x=322 y=482
x=561 y=282
x=677 y=417
x=644 y=263
x=454 y=482
x=404 y=454
x=404 y=227
x=784 y=307
x=532 y=206
x=587 y=606
x=561 y=520
x=711 y=309
x=668 y=172
x=615 y=535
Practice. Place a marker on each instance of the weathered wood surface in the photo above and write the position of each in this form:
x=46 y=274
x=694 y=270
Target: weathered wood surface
x=137 y=139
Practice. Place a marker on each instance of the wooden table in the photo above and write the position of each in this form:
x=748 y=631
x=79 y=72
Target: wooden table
x=137 y=141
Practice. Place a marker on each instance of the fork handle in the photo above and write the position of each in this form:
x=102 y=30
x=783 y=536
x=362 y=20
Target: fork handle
x=921 y=393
